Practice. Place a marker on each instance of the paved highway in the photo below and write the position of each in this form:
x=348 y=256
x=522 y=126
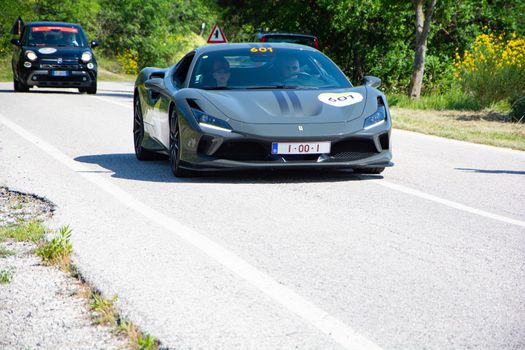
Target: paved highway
x=431 y=255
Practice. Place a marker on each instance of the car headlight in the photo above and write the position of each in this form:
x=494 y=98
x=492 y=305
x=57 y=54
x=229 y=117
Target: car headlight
x=86 y=56
x=209 y=121
x=31 y=55
x=378 y=118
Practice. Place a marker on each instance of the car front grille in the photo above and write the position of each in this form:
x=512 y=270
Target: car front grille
x=353 y=149
x=350 y=149
x=59 y=66
x=244 y=151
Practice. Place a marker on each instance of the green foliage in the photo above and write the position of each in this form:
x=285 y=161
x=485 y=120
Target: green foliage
x=57 y=250
x=146 y=343
x=104 y=309
x=32 y=231
x=158 y=33
x=6 y=276
x=376 y=37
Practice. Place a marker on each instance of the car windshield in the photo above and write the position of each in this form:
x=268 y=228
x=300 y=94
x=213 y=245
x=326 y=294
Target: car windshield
x=54 y=36
x=266 y=67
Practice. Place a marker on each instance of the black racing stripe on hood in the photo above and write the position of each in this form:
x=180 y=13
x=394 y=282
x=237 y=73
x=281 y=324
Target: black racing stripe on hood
x=298 y=108
x=283 y=105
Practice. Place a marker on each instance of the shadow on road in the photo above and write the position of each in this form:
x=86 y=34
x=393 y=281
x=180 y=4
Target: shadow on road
x=126 y=166
x=486 y=171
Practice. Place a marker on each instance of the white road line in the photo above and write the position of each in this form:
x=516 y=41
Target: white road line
x=329 y=325
x=129 y=105
x=448 y=203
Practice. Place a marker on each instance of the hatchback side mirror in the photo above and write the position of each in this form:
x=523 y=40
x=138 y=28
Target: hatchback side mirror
x=369 y=80
x=94 y=44
x=15 y=42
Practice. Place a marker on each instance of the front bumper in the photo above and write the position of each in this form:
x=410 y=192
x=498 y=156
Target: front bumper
x=76 y=77
x=204 y=149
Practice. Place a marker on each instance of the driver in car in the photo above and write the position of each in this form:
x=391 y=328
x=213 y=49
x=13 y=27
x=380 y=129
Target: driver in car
x=290 y=68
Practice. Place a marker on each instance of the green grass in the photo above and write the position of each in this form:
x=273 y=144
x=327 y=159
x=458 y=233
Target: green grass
x=104 y=309
x=6 y=276
x=484 y=127
x=4 y=252
x=6 y=73
x=451 y=100
x=57 y=251
x=33 y=231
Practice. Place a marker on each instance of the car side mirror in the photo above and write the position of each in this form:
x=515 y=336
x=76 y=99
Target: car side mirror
x=94 y=44
x=154 y=84
x=15 y=42
x=369 y=80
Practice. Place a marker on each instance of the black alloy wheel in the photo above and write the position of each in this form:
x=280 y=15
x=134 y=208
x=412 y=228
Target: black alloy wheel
x=175 y=143
x=138 y=134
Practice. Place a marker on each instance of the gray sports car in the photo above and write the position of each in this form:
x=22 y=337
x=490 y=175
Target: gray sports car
x=260 y=105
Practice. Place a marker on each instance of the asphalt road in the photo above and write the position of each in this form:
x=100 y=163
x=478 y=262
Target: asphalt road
x=431 y=255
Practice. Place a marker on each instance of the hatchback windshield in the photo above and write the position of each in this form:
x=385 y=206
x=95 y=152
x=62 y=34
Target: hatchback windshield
x=266 y=68
x=54 y=36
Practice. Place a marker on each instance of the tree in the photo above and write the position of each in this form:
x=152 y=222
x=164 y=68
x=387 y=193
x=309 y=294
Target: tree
x=424 y=10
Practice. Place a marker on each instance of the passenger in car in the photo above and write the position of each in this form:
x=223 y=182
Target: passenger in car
x=221 y=72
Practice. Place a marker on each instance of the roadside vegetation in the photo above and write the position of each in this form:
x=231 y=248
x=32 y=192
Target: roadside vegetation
x=57 y=252
x=466 y=56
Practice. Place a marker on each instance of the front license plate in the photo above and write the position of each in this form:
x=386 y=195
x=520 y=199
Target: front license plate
x=59 y=73
x=300 y=147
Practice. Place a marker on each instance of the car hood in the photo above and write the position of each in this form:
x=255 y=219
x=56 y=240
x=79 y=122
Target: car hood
x=51 y=52
x=289 y=106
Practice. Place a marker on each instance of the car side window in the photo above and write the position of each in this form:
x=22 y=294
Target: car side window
x=182 y=71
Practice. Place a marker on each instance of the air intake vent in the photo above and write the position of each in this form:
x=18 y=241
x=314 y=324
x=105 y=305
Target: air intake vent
x=193 y=104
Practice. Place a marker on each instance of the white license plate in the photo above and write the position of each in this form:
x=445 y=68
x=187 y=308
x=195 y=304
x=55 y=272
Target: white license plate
x=300 y=147
x=59 y=73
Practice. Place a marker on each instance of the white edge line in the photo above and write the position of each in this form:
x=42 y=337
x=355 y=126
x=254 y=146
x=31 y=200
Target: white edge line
x=327 y=324
x=113 y=102
x=448 y=203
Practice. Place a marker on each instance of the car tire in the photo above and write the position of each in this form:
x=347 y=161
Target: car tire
x=138 y=135
x=373 y=171
x=19 y=86
x=175 y=147
x=92 y=89
x=82 y=90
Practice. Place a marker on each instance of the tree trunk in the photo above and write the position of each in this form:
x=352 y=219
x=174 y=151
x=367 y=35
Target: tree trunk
x=423 y=19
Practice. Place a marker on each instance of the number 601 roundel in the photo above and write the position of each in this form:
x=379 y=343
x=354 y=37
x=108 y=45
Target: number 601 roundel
x=340 y=99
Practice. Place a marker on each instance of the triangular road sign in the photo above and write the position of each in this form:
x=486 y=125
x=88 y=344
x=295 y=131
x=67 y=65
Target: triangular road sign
x=217 y=35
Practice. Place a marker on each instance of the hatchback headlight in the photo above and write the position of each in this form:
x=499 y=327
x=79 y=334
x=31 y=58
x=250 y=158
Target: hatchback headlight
x=86 y=56
x=31 y=55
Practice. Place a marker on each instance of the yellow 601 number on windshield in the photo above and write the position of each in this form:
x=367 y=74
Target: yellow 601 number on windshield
x=261 y=49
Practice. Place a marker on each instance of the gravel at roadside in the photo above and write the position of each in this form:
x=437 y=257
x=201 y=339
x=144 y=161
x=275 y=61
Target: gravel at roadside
x=42 y=307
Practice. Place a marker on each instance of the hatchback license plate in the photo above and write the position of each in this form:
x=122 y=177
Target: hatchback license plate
x=300 y=147
x=59 y=73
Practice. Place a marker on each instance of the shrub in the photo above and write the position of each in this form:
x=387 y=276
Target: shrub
x=129 y=60
x=57 y=250
x=493 y=69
